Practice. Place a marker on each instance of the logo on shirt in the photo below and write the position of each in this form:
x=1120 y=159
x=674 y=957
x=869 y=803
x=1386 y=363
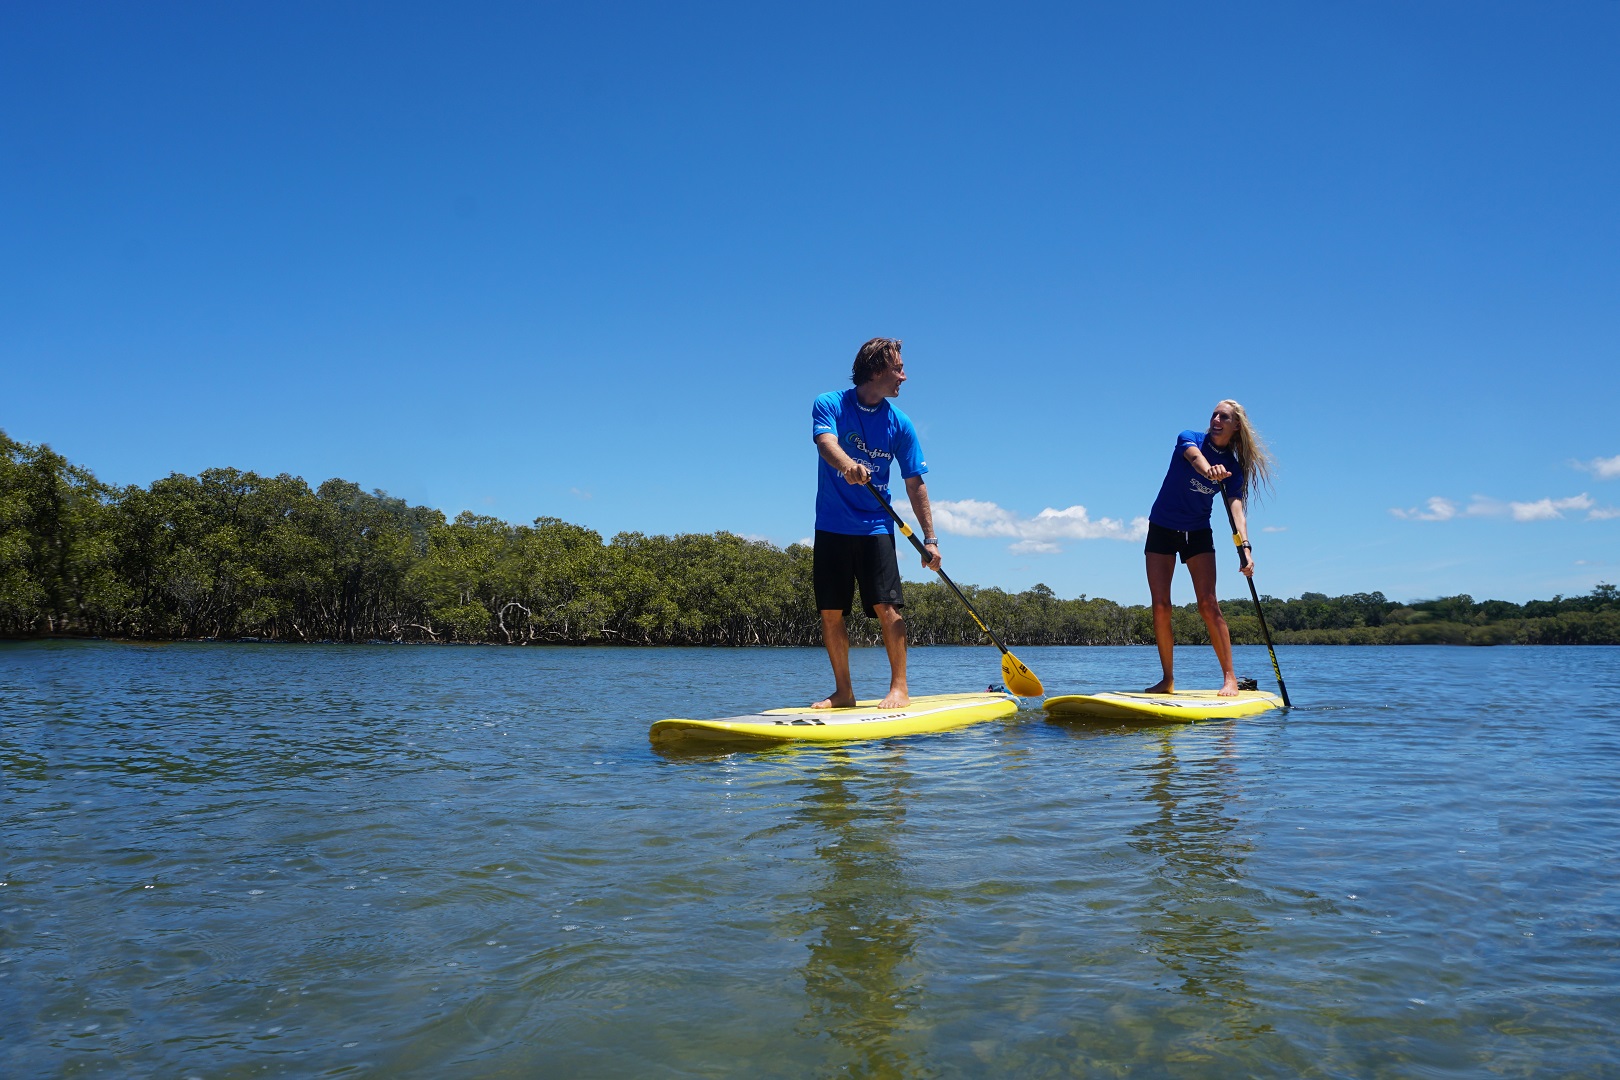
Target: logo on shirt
x=855 y=440
x=1198 y=486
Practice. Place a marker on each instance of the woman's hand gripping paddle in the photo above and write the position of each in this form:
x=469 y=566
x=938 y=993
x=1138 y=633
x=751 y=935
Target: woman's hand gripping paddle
x=1018 y=678
x=1243 y=562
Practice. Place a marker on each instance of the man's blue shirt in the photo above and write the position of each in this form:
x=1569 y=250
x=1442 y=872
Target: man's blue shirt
x=1185 y=498
x=875 y=437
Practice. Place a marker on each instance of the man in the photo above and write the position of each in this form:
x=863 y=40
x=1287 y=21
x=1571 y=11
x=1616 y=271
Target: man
x=859 y=436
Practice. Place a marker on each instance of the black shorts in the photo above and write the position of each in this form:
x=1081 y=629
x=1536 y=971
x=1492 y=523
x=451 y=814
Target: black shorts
x=842 y=561
x=1163 y=541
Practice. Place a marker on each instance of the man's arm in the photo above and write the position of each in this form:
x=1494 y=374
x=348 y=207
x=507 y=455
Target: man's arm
x=853 y=471
x=917 y=491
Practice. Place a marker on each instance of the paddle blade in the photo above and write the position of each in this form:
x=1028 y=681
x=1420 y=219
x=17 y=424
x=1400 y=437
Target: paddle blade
x=1018 y=678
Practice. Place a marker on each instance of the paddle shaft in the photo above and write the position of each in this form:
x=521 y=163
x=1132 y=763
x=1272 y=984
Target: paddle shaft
x=918 y=544
x=1254 y=594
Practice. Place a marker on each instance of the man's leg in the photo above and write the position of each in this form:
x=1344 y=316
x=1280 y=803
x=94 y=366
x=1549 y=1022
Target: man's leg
x=894 y=642
x=835 y=635
x=832 y=570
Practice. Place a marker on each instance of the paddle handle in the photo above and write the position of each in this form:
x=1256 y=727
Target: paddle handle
x=1244 y=559
x=923 y=551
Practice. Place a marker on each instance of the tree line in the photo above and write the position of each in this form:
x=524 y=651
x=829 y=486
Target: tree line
x=234 y=555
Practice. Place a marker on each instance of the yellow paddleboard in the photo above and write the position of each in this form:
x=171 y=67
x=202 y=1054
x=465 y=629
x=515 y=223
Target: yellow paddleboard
x=1183 y=705
x=926 y=713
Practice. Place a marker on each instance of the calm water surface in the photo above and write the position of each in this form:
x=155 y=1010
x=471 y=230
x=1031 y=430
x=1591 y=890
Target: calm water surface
x=239 y=860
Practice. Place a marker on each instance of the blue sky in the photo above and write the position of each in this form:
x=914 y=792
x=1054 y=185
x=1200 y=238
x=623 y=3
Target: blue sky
x=594 y=261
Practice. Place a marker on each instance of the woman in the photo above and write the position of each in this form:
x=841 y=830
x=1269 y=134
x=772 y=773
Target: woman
x=1228 y=458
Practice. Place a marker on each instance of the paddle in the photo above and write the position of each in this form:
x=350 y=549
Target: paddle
x=1243 y=561
x=1019 y=679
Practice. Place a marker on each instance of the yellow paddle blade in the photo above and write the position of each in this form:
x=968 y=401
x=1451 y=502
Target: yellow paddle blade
x=1019 y=679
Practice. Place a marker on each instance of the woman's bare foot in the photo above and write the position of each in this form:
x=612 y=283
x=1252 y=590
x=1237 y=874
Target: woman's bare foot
x=1165 y=685
x=835 y=701
x=1228 y=688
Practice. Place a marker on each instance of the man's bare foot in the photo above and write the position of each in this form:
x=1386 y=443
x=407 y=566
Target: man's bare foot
x=895 y=699
x=835 y=700
x=1229 y=688
x=1165 y=685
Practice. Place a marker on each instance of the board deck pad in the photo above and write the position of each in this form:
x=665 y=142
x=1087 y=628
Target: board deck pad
x=1184 y=706
x=927 y=713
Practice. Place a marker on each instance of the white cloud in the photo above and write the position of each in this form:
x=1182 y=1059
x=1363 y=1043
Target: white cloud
x=1436 y=509
x=1275 y=528
x=1032 y=535
x=1604 y=468
x=1439 y=508
x=1549 y=509
x=1483 y=506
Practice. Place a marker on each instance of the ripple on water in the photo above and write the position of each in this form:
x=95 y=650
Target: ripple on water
x=430 y=861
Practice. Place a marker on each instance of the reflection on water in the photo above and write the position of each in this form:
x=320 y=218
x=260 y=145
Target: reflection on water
x=1201 y=914
x=860 y=922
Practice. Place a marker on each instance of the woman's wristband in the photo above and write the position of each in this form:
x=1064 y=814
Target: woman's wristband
x=930 y=541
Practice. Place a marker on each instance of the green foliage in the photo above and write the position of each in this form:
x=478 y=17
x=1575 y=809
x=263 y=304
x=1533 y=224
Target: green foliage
x=1370 y=619
x=229 y=554
x=57 y=544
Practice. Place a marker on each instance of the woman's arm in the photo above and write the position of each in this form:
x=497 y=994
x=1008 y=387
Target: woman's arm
x=1213 y=473
x=1240 y=525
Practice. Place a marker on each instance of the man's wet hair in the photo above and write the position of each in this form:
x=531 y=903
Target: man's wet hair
x=876 y=356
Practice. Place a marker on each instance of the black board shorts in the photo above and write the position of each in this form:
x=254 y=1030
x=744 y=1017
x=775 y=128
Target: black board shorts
x=1163 y=541
x=842 y=561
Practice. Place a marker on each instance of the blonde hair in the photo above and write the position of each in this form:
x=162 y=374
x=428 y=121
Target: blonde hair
x=1250 y=449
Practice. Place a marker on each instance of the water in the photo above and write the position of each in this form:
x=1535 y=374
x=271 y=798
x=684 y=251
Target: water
x=249 y=860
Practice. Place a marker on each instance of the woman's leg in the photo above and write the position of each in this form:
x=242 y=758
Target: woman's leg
x=1203 y=575
x=1161 y=569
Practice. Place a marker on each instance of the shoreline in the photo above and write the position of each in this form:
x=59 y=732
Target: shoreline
x=1277 y=639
